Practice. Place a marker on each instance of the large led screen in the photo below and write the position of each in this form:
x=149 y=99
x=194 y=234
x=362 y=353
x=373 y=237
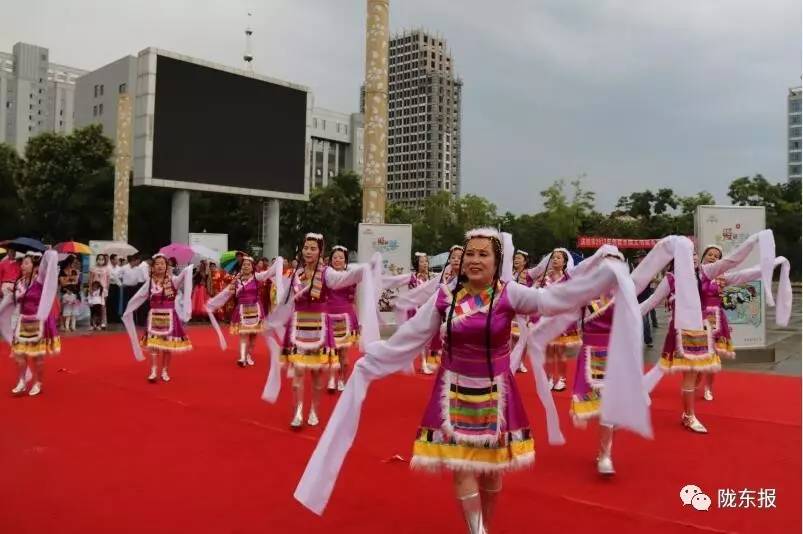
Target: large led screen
x=224 y=129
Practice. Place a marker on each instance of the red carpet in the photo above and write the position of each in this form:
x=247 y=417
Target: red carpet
x=101 y=450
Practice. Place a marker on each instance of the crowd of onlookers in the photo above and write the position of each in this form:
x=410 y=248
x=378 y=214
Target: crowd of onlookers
x=101 y=293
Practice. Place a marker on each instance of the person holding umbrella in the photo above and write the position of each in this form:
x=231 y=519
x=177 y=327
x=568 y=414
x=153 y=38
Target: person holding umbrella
x=35 y=334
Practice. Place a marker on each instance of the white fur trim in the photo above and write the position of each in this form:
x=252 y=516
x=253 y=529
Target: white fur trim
x=435 y=464
x=490 y=233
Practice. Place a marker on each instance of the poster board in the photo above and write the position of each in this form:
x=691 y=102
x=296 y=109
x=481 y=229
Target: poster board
x=728 y=227
x=395 y=243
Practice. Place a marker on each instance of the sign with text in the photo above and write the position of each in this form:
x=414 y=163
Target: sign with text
x=728 y=227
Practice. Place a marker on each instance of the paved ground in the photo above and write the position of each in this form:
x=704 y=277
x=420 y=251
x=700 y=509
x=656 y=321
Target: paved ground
x=787 y=343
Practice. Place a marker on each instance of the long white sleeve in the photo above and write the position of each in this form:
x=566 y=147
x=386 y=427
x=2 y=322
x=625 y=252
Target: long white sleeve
x=658 y=296
x=560 y=298
x=381 y=359
x=732 y=259
x=394 y=281
x=341 y=279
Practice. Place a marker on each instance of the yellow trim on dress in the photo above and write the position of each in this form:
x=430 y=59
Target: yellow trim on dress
x=469 y=457
x=43 y=347
x=170 y=344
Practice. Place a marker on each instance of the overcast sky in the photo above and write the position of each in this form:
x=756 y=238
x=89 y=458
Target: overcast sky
x=635 y=94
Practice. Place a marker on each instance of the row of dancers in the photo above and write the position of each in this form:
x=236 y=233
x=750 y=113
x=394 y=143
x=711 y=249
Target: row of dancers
x=474 y=323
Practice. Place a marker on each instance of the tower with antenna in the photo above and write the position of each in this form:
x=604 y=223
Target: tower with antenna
x=248 y=56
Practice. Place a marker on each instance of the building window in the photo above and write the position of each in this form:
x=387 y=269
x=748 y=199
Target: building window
x=100 y=109
x=794 y=157
x=101 y=90
x=96 y=91
x=323 y=124
x=794 y=119
x=314 y=123
x=122 y=88
x=346 y=129
x=94 y=111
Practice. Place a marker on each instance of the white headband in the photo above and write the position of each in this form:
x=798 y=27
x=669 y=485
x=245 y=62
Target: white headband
x=420 y=255
x=455 y=247
x=315 y=236
x=33 y=254
x=341 y=248
x=488 y=233
x=713 y=246
x=523 y=253
x=159 y=255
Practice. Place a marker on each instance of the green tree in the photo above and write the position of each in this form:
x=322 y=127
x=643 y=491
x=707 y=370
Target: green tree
x=67 y=186
x=11 y=168
x=334 y=210
x=564 y=217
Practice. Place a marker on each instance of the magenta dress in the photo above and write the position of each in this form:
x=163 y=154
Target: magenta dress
x=308 y=342
x=342 y=317
x=590 y=371
x=475 y=421
x=32 y=337
x=434 y=347
x=248 y=315
x=693 y=350
x=569 y=342
x=165 y=330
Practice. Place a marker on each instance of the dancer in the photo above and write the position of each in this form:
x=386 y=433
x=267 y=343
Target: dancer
x=308 y=340
x=35 y=334
x=521 y=275
x=597 y=322
x=248 y=317
x=715 y=309
x=418 y=278
x=566 y=345
x=692 y=351
x=474 y=424
x=342 y=318
x=165 y=330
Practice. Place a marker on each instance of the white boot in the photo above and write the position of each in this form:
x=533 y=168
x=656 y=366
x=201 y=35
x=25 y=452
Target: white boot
x=165 y=376
x=153 y=375
x=330 y=386
x=243 y=352
x=20 y=387
x=298 y=418
x=312 y=420
x=36 y=389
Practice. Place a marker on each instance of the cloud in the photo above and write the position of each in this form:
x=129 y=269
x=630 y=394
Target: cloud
x=636 y=95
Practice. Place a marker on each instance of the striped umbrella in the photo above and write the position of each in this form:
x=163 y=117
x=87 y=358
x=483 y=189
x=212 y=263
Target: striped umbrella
x=73 y=247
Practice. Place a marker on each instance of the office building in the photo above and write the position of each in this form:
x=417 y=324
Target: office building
x=36 y=96
x=793 y=133
x=424 y=115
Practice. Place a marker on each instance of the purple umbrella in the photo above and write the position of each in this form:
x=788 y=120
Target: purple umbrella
x=183 y=253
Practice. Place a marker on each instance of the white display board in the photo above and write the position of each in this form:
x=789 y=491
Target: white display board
x=728 y=227
x=217 y=242
x=393 y=241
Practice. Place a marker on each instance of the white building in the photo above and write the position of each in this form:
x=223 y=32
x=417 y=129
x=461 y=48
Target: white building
x=337 y=145
x=97 y=92
x=793 y=133
x=424 y=116
x=36 y=96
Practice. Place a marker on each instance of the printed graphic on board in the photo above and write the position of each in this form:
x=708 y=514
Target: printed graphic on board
x=742 y=304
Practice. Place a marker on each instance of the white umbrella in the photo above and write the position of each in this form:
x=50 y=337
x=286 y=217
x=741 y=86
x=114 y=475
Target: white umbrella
x=119 y=248
x=203 y=253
